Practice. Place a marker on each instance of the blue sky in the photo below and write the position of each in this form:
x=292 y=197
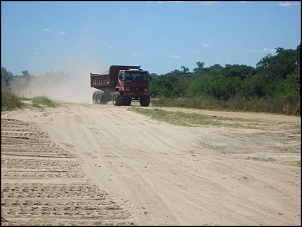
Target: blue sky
x=162 y=36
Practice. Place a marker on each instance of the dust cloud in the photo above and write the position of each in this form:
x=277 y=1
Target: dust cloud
x=58 y=86
x=66 y=77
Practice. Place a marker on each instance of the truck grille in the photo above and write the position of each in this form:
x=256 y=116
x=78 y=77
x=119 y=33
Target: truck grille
x=136 y=89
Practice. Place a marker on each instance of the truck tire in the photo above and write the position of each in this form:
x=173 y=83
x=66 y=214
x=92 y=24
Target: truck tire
x=117 y=100
x=99 y=97
x=102 y=99
x=127 y=100
x=145 y=100
x=94 y=97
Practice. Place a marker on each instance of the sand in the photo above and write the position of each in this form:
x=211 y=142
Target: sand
x=86 y=164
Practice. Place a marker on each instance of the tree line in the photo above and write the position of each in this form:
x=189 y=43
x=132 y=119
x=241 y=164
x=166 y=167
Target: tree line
x=275 y=77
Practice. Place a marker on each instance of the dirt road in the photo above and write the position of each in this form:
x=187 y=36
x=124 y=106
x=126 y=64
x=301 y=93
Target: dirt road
x=85 y=164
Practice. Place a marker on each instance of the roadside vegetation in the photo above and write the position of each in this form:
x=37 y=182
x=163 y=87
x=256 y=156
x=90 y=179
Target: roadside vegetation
x=43 y=101
x=185 y=119
x=9 y=101
x=273 y=86
x=268 y=105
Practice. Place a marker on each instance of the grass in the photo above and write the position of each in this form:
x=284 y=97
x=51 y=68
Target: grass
x=9 y=101
x=43 y=101
x=184 y=119
x=278 y=106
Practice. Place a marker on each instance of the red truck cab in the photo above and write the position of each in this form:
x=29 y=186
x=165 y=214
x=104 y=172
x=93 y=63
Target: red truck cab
x=132 y=84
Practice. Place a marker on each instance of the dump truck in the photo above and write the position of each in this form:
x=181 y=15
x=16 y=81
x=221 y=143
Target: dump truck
x=121 y=84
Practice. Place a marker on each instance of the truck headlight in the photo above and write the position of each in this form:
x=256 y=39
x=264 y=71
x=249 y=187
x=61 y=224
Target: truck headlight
x=145 y=89
x=127 y=89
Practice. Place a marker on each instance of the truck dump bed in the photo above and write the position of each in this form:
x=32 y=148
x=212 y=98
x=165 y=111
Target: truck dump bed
x=109 y=80
x=99 y=80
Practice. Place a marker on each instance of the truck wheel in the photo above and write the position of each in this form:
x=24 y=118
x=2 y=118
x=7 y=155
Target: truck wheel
x=117 y=100
x=94 y=97
x=127 y=101
x=145 y=100
x=102 y=99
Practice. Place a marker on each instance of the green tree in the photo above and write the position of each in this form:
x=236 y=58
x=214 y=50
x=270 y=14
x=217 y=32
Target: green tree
x=241 y=71
x=201 y=87
x=281 y=65
x=25 y=73
x=214 y=70
x=200 y=67
x=254 y=87
x=6 y=78
x=185 y=69
x=161 y=86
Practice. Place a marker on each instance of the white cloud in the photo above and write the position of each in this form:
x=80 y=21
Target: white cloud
x=264 y=50
x=175 y=56
x=267 y=50
x=196 y=52
x=205 y=45
x=46 y=29
x=62 y=33
x=273 y=50
x=208 y=3
x=243 y=2
x=288 y=4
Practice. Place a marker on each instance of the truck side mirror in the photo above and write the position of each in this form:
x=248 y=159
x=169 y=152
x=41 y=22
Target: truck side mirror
x=121 y=77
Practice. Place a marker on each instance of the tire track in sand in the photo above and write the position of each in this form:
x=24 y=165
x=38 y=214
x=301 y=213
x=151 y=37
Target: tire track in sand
x=185 y=174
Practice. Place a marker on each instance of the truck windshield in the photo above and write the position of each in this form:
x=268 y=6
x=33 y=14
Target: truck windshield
x=136 y=76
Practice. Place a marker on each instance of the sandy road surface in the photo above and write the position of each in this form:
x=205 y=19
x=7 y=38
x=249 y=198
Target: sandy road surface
x=86 y=164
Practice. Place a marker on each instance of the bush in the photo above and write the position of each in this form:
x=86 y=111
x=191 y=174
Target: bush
x=268 y=105
x=43 y=101
x=10 y=101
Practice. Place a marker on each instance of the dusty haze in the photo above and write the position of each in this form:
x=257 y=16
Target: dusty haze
x=67 y=79
x=71 y=87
